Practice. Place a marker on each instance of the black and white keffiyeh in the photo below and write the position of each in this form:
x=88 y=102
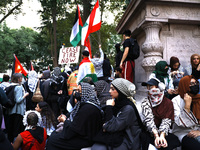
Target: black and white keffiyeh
x=32 y=80
x=102 y=88
x=88 y=95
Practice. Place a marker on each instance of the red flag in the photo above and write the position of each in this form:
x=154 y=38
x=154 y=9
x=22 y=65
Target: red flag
x=92 y=24
x=87 y=44
x=18 y=68
x=31 y=66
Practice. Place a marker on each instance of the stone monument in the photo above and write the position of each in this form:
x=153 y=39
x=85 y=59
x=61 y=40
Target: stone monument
x=163 y=28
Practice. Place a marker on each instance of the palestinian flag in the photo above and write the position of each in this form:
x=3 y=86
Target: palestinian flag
x=17 y=67
x=76 y=30
x=92 y=24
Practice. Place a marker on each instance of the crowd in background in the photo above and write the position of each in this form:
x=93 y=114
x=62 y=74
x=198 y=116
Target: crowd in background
x=91 y=107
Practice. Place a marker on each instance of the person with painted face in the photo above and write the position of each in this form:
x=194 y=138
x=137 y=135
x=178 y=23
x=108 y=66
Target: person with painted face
x=187 y=113
x=158 y=115
x=161 y=73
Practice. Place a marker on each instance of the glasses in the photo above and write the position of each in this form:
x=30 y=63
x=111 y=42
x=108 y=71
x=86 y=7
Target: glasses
x=194 y=83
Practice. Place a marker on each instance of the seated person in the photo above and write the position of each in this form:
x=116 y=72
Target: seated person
x=83 y=123
x=158 y=114
x=176 y=71
x=121 y=129
x=194 y=67
x=160 y=73
x=187 y=114
x=34 y=136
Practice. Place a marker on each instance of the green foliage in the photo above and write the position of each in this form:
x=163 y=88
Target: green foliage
x=27 y=44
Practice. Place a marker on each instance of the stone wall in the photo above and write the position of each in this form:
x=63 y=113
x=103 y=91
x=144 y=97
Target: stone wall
x=163 y=28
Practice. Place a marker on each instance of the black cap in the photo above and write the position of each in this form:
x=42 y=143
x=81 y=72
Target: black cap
x=152 y=81
x=85 y=53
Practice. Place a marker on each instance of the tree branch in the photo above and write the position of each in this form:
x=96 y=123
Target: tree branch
x=11 y=11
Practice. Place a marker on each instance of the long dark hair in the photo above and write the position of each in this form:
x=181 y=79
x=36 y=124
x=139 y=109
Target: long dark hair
x=48 y=113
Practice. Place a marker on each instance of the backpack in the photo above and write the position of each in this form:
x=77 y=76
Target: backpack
x=10 y=95
x=135 y=49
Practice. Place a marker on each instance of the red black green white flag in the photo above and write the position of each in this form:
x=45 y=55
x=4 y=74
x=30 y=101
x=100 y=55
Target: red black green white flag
x=18 y=68
x=76 y=30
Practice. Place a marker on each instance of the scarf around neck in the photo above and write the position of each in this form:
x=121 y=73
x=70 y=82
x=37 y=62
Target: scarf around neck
x=86 y=59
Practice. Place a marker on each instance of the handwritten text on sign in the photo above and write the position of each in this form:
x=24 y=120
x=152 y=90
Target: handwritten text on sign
x=69 y=55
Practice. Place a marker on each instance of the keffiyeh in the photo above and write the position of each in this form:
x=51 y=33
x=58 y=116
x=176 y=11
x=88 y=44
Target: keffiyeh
x=32 y=80
x=88 y=94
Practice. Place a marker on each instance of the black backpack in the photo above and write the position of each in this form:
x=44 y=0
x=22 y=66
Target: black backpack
x=10 y=95
x=135 y=49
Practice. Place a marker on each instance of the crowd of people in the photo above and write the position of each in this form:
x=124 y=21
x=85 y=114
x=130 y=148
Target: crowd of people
x=87 y=107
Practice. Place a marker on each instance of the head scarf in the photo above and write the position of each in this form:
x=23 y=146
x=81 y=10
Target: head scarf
x=46 y=74
x=183 y=88
x=102 y=89
x=32 y=80
x=160 y=71
x=191 y=60
x=173 y=60
x=88 y=95
x=126 y=91
x=25 y=123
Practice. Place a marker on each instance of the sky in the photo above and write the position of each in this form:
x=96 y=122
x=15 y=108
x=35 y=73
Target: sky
x=29 y=18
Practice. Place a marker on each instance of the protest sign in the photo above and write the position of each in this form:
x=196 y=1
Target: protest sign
x=69 y=55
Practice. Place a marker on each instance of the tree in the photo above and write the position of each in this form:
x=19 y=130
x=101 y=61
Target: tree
x=8 y=7
x=51 y=11
x=27 y=44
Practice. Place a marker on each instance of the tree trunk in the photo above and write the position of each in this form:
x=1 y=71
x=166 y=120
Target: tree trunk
x=55 y=57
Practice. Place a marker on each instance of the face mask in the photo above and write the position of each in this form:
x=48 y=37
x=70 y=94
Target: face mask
x=77 y=96
x=155 y=96
x=194 y=89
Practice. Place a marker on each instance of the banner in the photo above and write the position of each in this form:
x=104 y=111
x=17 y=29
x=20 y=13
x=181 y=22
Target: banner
x=69 y=55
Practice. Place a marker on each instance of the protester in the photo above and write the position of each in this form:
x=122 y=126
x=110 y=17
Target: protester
x=121 y=130
x=34 y=136
x=44 y=83
x=118 y=72
x=15 y=114
x=48 y=118
x=98 y=63
x=4 y=142
x=118 y=56
x=158 y=114
x=187 y=113
x=30 y=86
x=160 y=73
x=194 y=67
x=176 y=71
x=72 y=82
x=107 y=69
x=55 y=90
x=5 y=83
x=86 y=68
x=84 y=122
x=102 y=88
x=127 y=63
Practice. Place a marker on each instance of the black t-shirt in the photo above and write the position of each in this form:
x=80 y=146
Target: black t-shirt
x=127 y=43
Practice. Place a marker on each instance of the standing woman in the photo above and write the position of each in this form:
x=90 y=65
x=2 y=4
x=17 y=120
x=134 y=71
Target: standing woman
x=121 y=130
x=15 y=114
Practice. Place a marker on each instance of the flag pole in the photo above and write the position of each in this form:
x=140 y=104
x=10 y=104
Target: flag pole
x=95 y=39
